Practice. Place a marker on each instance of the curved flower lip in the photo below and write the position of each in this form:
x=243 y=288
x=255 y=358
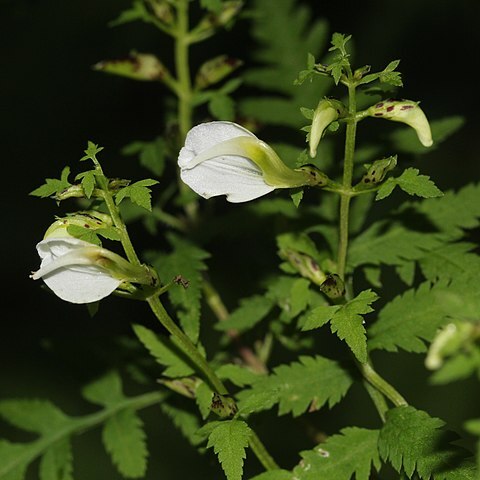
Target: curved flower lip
x=69 y=268
x=223 y=158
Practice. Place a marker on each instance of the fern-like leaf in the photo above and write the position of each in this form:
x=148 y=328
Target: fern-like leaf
x=413 y=441
x=311 y=382
x=352 y=452
x=229 y=440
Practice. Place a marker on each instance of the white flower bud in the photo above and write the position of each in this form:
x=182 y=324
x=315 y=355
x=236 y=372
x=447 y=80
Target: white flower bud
x=405 y=111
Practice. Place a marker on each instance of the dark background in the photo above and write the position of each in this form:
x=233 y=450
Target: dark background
x=51 y=103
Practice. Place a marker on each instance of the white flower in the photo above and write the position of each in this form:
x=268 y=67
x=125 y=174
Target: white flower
x=405 y=111
x=223 y=158
x=72 y=269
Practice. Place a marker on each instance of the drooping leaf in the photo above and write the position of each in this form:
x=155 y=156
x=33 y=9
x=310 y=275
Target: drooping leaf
x=53 y=186
x=57 y=462
x=351 y=452
x=311 y=382
x=229 y=440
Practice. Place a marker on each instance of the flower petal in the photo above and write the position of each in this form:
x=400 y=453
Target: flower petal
x=77 y=281
x=235 y=176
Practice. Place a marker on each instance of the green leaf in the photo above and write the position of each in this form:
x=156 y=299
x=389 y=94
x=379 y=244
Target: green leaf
x=165 y=351
x=384 y=243
x=229 y=440
x=38 y=416
x=411 y=182
x=352 y=452
x=85 y=234
x=15 y=458
x=124 y=440
x=91 y=152
x=240 y=376
x=279 y=57
x=346 y=321
x=57 y=462
x=186 y=260
x=449 y=261
x=138 y=11
x=222 y=107
x=387 y=75
x=408 y=320
x=412 y=440
x=250 y=312
x=53 y=186
x=310 y=383
x=274 y=475
x=459 y=367
x=203 y=399
x=138 y=193
x=184 y=420
x=105 y=391
x=453 y=212
x=88 y=181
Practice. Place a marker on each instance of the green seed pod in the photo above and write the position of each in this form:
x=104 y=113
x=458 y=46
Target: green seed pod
x=377 y=172
x=215 y=69
x=333 y=287
x=223 y=405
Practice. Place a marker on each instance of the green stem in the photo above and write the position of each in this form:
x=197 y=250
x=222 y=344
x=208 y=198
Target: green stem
x=345 y=197
x=378 y=400
x=261 y=453
x=380 y=384
x=182 y=67
x=188 y=346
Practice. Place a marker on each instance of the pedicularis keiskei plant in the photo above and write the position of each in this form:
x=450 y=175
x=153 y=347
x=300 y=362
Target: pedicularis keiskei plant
x=307 y=327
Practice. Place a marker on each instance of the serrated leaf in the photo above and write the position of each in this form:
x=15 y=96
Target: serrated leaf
x=138 y=193
x=311 y=382
x=184 y=420
x=352 y=452
x=250 y=312
x=280 y=57
x=53 y=186
x=412 y=182
x=412 y=440
x=453 y=212
x=240 y=376
x=229 y=440
x=14 y=459
x=346 y=321
x=57 y=462
x=408 y=321
x=186 y=260
x=124 y=440
x=449 y=261
x=38 y=416
x=88 y=182
x=107 y=390
x=203 y=399
x=165 y=351
x=387 y=244
x=274 y=475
